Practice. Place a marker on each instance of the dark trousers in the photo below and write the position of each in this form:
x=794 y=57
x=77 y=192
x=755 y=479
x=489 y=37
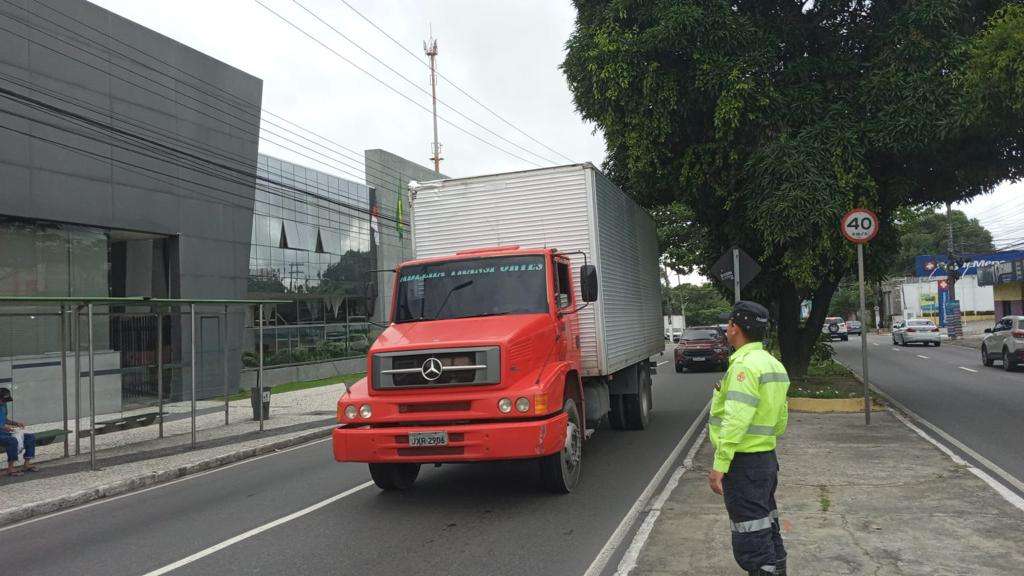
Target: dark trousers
x=750 y=500
x=10 y=444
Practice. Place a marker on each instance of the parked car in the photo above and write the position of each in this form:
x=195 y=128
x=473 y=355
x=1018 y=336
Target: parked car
x=1004 y=342
x=916 y=331
x=702 y=347
x=673 y=334
x=853 y=327
x=835 y=328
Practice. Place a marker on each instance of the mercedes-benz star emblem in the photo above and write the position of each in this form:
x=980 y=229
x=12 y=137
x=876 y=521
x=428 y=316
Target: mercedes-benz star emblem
x=432 y=369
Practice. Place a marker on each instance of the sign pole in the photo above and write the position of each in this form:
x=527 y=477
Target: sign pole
x=860 y=226
x=736 y=273
x=863 y=334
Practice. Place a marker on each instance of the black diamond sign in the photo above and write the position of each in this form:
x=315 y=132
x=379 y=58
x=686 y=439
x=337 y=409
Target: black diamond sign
x=722 y=270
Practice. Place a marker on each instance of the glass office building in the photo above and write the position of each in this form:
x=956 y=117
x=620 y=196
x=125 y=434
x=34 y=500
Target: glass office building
x=311 y=245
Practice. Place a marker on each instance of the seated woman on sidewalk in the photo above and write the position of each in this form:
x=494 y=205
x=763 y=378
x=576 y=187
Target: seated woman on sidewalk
x=9 y=442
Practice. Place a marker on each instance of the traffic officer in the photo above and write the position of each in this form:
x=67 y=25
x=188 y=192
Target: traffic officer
x=748 y=412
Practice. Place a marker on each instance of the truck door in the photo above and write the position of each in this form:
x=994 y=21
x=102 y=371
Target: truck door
x=565 y=302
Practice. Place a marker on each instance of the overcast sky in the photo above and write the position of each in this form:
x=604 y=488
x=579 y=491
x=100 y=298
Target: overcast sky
x=506 y=54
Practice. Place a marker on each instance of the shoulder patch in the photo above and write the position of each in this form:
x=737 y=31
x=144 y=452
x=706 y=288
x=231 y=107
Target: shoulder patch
x=742 y=376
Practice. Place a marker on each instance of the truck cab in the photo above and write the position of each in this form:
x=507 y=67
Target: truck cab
x=480 y=361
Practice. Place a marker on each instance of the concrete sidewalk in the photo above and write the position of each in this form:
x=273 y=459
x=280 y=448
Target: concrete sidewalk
x=876 y=500
x=127 y=460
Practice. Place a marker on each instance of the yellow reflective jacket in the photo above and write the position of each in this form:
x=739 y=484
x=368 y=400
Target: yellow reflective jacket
x=749 y=410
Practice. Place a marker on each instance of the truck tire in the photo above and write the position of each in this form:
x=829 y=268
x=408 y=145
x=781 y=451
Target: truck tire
x=560 y=472
x=392 y=477
x=637 y=407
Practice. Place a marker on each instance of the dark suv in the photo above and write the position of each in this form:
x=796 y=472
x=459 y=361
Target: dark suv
x=702 y=347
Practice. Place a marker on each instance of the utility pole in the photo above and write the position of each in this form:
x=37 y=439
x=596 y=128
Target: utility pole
x=950 y=262
x=430 y=47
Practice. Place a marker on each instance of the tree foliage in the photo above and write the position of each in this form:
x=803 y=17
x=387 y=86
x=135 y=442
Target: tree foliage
x=757 y=123
x=927 y=232
x=703 y=303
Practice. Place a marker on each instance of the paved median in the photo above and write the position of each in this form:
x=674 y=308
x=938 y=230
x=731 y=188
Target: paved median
x=854 y=500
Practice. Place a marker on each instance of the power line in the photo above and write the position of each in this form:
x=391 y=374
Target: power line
x=452 y=83
x=161 y=152
x=358 y=157
x=389 y=86
x=414 y=84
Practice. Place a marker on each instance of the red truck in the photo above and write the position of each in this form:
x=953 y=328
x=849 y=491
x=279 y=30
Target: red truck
x=527 y=320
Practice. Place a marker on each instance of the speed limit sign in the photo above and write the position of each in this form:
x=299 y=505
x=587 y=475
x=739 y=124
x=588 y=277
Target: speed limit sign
x=859 y=225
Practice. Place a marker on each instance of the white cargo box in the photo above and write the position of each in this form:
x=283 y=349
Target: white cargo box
x=571 y=208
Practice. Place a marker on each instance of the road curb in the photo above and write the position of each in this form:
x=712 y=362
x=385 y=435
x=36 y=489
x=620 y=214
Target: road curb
x=153 y=478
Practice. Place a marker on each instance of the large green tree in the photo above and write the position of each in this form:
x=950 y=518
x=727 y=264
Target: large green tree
x=757 y=123
x=703 y=303
x=927 y=232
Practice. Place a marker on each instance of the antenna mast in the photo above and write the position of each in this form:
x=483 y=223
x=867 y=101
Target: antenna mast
x=430 y=47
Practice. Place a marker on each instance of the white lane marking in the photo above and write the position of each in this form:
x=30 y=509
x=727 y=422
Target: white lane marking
x=896 y=349
x=990 y=465
x=662 y=363
x=922 y=356
x=967 y=369
x=1003 y=491
x=617 y=537
x=163 y=485
x=875 y=344
x=632 y=555
x=258 y=530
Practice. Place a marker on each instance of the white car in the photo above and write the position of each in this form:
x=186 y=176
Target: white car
x=916 y=331
x=1004 y=342
x=835 y=328
x=673 y=334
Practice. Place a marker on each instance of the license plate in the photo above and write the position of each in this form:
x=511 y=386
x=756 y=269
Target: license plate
x=428 y=439
x=699 y=358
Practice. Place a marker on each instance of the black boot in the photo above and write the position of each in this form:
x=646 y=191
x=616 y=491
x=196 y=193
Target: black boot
x=780 y=570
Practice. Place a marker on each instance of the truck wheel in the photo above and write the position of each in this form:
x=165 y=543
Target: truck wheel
x=560 y=472
x=638 y=406
x=392 y=477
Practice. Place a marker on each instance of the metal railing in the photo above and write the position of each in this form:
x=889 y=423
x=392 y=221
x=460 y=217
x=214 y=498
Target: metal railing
x=142 y=322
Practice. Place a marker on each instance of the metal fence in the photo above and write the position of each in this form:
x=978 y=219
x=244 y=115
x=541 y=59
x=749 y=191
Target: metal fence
x=97 y=365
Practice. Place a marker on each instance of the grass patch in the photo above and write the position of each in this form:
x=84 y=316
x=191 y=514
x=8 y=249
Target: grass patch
x=828 y=379
x=823 y=498
x=303 y=385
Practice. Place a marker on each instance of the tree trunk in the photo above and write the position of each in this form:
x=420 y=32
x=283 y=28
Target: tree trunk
x=796 y=341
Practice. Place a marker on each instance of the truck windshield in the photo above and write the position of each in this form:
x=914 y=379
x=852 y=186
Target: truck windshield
x=476 y=287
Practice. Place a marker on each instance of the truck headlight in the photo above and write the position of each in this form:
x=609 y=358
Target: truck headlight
x=523 y=404
x=365 y=411
x=351 y=412
x=504 y=405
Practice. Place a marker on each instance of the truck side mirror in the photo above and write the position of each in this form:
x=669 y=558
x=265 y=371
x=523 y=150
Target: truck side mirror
x=370 y=298
x=588 y=282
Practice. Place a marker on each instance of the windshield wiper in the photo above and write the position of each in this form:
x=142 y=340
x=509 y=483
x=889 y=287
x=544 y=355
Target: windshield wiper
x=444 y=302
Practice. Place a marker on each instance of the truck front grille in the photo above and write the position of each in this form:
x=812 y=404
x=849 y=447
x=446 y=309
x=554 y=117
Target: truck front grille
x=436 y=368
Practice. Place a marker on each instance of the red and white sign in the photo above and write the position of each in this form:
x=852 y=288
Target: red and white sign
x=859 y=225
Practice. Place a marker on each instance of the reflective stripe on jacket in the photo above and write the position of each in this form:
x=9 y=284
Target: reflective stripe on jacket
x=749 y=410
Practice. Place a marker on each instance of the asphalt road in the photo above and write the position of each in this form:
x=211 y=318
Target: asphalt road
x=981 y=407
x=459 y=519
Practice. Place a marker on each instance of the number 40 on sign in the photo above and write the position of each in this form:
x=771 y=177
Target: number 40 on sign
x=860 y=225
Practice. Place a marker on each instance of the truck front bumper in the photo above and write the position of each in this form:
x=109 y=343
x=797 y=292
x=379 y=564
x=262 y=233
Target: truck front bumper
x=466 y=442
